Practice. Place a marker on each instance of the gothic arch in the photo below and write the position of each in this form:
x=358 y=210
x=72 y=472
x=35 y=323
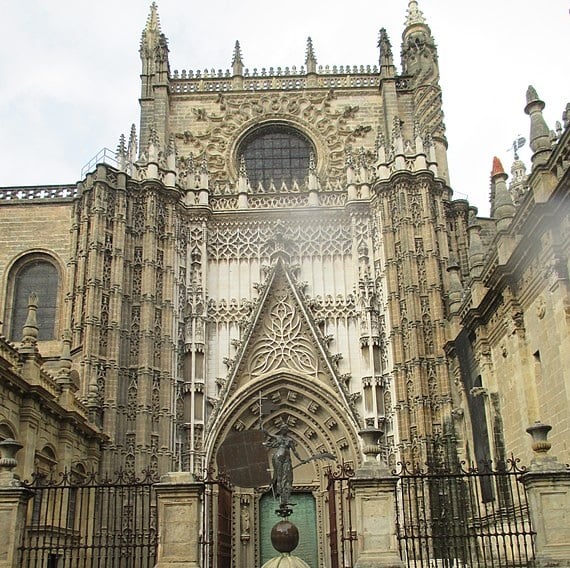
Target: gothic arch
x=317 y=419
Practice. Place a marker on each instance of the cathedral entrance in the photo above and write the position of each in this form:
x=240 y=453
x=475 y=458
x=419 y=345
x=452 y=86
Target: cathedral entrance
x=304 y=517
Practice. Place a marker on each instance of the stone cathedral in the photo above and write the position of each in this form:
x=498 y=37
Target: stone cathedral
x=283 y=245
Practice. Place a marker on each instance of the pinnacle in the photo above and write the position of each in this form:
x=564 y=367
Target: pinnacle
x=237 y=59
x=310 y=59
x=310 y=52
x=415 y=15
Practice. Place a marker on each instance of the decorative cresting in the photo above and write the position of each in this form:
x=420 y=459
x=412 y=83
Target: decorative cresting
x=317 y=419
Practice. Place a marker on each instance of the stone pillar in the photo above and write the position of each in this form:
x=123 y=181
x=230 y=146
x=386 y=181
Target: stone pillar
x=13 y=505
x=375 y=508
x=179 y=521
x=547 y=485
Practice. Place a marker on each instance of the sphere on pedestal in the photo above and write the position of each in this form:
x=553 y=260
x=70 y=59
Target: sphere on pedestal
x=284 y=536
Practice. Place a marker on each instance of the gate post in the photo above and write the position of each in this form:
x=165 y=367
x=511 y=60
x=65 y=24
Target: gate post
x=547 y=484
x=13 y=505
x=179 y=521
x=375 y=508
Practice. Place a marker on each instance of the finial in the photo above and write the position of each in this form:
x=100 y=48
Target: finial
x=310 y=59
x=153 y=144
x=415 y=15
x=30 y=330
x=237 y=62
x=132 y=146
x=121 y=153
x=153 y=20
x=497 y=167
x=502 y=206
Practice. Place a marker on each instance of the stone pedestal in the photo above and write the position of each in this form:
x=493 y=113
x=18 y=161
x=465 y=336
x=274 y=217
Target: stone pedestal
x=13 y=507
x=375 y=514
x=548 y=494
x=547 y=486
x=375 y=510
x=179 y=519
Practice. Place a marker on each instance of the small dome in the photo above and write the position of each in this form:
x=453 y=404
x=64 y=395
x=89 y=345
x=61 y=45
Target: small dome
x=285 y=560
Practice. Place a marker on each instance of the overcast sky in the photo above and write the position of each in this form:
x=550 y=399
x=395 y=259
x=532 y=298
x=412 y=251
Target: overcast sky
x=69 y=69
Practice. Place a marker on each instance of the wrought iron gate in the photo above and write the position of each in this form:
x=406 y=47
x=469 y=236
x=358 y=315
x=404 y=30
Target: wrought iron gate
x=476 y=517
x=83 y=522
x=217 y=522
x=341 y=534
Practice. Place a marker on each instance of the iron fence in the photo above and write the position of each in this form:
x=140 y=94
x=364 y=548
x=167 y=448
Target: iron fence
x=80 y=521
x=464 y=517
x=340 y=499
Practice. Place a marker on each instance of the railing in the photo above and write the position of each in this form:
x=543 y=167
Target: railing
x=37 y=192
x=476 y=517
x=81 y=522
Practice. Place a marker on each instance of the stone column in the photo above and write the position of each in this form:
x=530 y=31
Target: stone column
x=375 y=508
x=13 y=505
x=179 y=521
x=547 y=485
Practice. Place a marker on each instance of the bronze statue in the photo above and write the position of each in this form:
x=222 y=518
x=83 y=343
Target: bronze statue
x=284 y=444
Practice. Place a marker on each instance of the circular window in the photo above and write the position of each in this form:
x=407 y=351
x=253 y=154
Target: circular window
x=276 y=154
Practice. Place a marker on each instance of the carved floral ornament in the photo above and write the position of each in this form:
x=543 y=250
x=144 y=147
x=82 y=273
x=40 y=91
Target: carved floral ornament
x=219 y=135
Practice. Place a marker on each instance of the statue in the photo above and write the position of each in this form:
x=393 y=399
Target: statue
x=282 y=481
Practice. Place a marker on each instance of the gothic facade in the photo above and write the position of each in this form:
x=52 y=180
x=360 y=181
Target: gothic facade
x=287 y=236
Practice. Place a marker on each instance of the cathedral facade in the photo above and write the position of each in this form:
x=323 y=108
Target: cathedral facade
x=284 y=246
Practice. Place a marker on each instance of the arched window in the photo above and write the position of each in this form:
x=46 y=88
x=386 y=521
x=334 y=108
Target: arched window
x=276 y=153
x=39 y=275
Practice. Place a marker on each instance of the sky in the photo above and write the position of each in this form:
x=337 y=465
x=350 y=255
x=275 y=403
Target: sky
x=69 y=69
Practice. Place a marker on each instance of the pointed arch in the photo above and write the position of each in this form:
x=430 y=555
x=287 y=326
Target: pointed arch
x=317 y=419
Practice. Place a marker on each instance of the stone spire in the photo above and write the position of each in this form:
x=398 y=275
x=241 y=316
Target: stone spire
x=539 y=133
x=310 y=58
x=155 y=76
x=387 y=68
x=237 y=62
x=151 y=32
x=502 y=206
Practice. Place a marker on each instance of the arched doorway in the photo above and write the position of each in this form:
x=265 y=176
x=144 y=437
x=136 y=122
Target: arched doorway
x=319 y=422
